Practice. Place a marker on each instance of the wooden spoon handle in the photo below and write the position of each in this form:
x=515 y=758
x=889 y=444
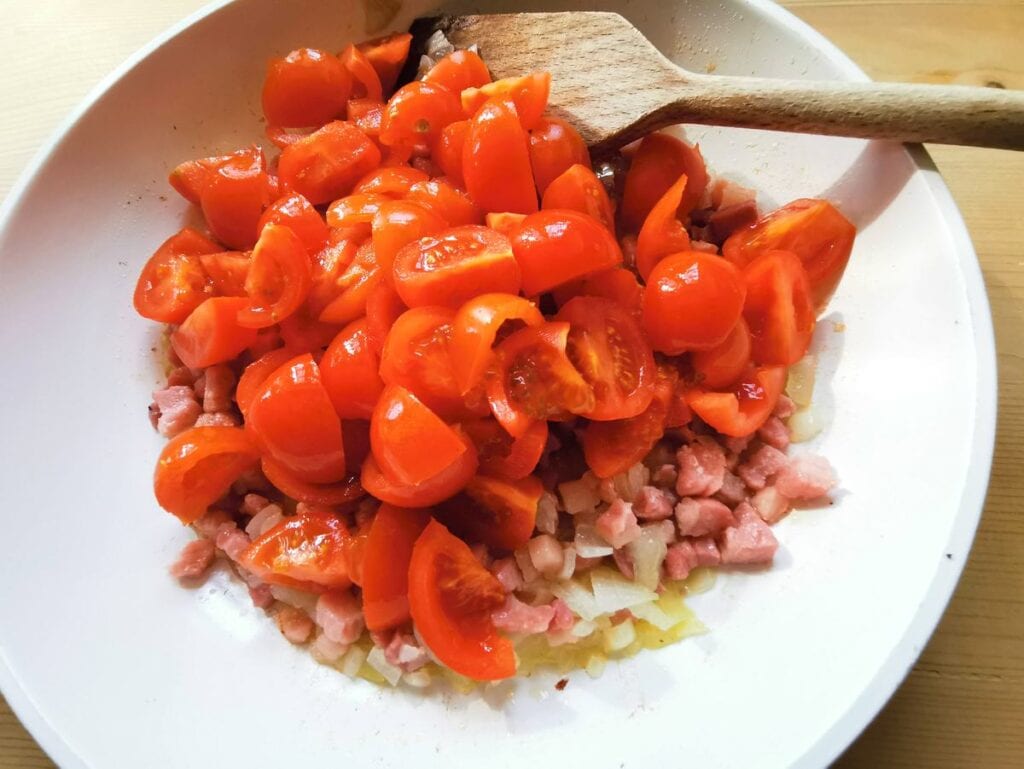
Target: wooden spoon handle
x=944 y=114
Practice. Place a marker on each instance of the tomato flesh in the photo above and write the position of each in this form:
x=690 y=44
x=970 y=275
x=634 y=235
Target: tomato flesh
x=212 y=334
x=657 y=164
x=741 y=410
x=579 y=189
x=278 y=280
x=778 y=309
x=306 y=551
x=496 y=161
x=173 y=282
x=723 y=364
x=528 y=94
x=662 y=232
x=326 y=164
x=556 y=246
x=350 y=370
x=305 y=88
x=297 y=214
x=499 y=512
x=384 y=566
x=555 y=146
x=432 y=491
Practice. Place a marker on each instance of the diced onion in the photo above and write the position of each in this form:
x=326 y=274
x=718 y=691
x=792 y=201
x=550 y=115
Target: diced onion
x=590 y=544
x=568 y=563
x=613 y=592
x=580 y=496
x=647 y=553
x=800 y=380
x=547 y=513
x=376 y=660
x=583 y=628
x=627 y=485
x=579 y=600
x=805 y=424
x=618 y=637
x=595 y=665
x=352 y=661
x=419 y=679
x=300 y=599
x=652 y=613
x=526 y=567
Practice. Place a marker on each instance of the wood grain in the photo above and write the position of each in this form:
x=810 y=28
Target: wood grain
x=963 y=703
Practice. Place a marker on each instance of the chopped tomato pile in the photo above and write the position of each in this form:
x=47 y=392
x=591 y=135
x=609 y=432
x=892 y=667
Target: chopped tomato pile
x=419 y=311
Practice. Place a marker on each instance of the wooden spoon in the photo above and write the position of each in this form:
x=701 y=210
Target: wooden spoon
x=614 y=86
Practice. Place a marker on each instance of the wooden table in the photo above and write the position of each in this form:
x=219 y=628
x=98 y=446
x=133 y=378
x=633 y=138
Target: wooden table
x=963 y=704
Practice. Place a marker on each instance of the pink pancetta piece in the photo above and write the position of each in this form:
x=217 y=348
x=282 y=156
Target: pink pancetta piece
x=181 y=375
x=218 y=385
x=178 y=409
x=665 y=476
x=194 y=560
x=518 y=617
x=806 y=477
x=403 y=651
x=507 y=572
x=232 y=540
x=736 y=445
x=563 y=618
x=706 y=551
x=546 y=554
x=294 y=624
x=663 y=530
x=209 y=523
x=261 y=596
x=698 y=517
x=770 y=504
x=785 y=408
x=339 y=615
x=701 y=468
x=617 y=525
x=775 y=433
x=654 y=504
x=680 y=560
x=219 y=419
x=761 y=466
x=733 y=490
x=750 y=541
x=253 y=503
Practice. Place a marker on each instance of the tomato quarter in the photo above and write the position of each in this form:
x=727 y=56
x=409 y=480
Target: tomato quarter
x=385 y=565
x=306 y=88
x=212 y=334
x=778 y=308
x=307 y=551
x=173 y=282
x=556 y=246
x=743 y=409
x=350 y=371
x=496 y=161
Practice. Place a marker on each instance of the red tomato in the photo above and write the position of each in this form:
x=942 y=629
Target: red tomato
x=617 y=284
x=355 y=435
x=387 y=55
x=662 y=232
x=607 y=346
x=365 y=80
x=350 y=372
x=306 y=88
x=278 y=280
x=449 y=203
x=610 y=448
x=256 y=373
x=657 y=165
x=411 y=443
x=307 y=551
x=417 y=356
x=329 y=264
x=331 y=494
x=297 y=214
x=383 y=308
x=455 y=265
x=356 y=283
x=233 y=196
x=474 y=329
x=385 y=565
x=692 y=302
x=400 y=222
x=496 y=161
x=326 y=164
x=498 y=512
x=173 y=282
x=226 y=272
x=211 y=333
x=554 y=247
x=579 y=189
x=506 y=223
x=778 y=308
x=535 y=379
x=295 y=424
x=447 y=150
x=426 y=494
x=458 y=71
x=393 y=181
x=742 y=410
x=366 y=114
x=725 y=363
x=451 y=597
x=198 y=466
x=555 y=146
x=354 y=213
x=503 y=456
x=302 y=333
x=528 y=94
x=192 y=177
x=814 y=230
x=283 y=137
x=417 y=113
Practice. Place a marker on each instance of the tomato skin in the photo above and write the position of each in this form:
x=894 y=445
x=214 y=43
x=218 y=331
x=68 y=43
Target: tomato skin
x=383 y=308
x=226 y=272
x=355 y=212
x=455 y=265
x=725 y=363
x=745 y=407
x=451 y=597
x=233 y=196
x=475 y=327
x=385 y=565
x=535 y=379
x=297 y=214
x=326 y=164
x=365 y=80
x=211 y=333
x=393 y=181
x=579 y=189
x=499 y=512
x=447 y=150
x=256 y=373
x=496 y=161
x=417 y=113
x=662 y=233
x=692 y=302
x=555 y=146
x=279 y=278
x=350 y=372
x=387 y=55
x=303 y=333
x=617 y=284
x=505 y=223
x=556 y=246
x=356 y=283
x=449 y=203
x=439 y=488
x=778 y=308
x=306 y=551
x=305 y=88
x=503 y=456
x=173 y=282
x=458 y=71
x=344 y=492
x=608 y=347
x=399 y=223
x=657 y=165
x=198 y=466
x=294 y=423
x=814 y=230
x=528 y=95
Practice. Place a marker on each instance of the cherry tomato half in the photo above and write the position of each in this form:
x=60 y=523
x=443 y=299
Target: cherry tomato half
x=278 y=280
x=458 y=71
x=658 y=163
x=579 y=189
x=326 y=164
x=305 y=88
x=555 y=146
x=451 y=597
x=350 y=372
x=528 y=94
x=297 y=214
x=233 y=196
x=725 y=363
x=385 y=565
x=256 y=373
x=778 y=308
x=451 y=204
x=496 y=161
x=331 y=494
x=393 y=181
x=743 y=409
x=354 y=286
x=618 y=285
x=365 y=80
x=212 y=334
x=437 y=489
x=398 y=223
x=198 y=466
x=501 y=513
x=173 y=282
x=383 y=308
x=447 y=150
x=556 y=246
x=417 y=113
x=387 y=55
x=662 y=232
x=306 y=551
